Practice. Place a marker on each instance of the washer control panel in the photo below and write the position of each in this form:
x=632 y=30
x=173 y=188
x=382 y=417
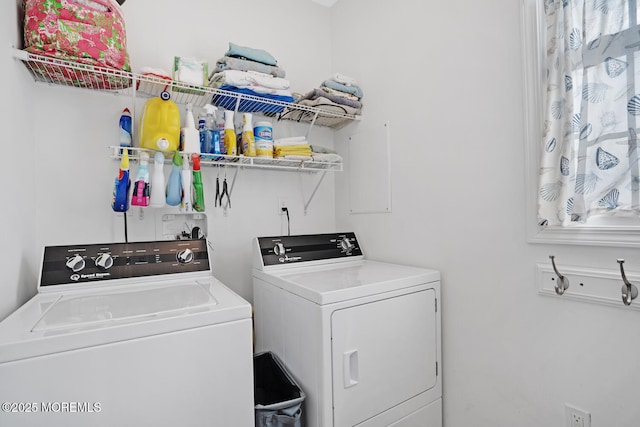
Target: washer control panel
x=312 y=247
x=99 y=262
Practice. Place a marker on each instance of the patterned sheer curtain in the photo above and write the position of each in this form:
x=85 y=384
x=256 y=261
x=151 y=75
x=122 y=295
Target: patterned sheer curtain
x=589 y=158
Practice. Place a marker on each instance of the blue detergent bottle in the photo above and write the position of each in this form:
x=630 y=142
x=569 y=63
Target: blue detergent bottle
x=120 y=200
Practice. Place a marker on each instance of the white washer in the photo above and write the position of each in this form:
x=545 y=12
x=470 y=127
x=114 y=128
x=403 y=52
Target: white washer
x=129 y=334
x=362 y=338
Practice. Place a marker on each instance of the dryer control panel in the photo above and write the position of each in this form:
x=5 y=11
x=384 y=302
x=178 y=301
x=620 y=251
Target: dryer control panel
x=99 y=262
x=281 y=250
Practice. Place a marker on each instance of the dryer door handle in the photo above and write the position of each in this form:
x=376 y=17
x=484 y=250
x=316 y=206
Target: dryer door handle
x=350 y=368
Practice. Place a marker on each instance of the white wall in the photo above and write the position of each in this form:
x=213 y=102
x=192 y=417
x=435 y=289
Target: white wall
x=448 y=78
x=18 y=256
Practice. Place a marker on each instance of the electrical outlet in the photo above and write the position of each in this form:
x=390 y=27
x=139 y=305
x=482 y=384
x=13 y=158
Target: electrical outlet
x=575 y=417
x=282 y=204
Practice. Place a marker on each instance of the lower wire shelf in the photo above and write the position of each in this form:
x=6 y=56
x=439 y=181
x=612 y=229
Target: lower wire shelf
x=240 y=161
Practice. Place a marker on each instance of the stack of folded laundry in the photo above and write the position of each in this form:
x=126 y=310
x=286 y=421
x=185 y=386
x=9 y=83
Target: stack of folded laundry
x=324 y=154
x=294 y=148
x=252 y=72
x=339 y=94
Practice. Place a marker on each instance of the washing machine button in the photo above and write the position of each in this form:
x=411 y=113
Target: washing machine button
x=75 y=263
x=279 y=249
x=185 y=256
x=104 y=261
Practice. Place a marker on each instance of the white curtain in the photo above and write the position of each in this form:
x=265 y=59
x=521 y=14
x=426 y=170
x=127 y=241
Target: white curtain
x=589 y=157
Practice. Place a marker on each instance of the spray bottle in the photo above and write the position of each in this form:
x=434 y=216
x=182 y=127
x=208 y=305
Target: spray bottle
x=189 y=135
x=248 y=139
x=198 y=189
x=125 y=129
x=230 y=134
x=141 y=194
x=174 y=186
x=187 y=204
x=209 y=135
x=120 y=201
x=158 y=182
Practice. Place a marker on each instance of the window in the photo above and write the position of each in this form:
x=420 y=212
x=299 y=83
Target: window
x=588 y=185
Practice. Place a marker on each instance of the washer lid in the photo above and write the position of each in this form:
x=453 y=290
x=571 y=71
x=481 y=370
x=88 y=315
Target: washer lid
x=325 y=284
x=95 y=310
x=54 y=322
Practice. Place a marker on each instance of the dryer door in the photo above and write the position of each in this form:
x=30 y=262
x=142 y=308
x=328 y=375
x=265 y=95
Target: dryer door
x=384 y=353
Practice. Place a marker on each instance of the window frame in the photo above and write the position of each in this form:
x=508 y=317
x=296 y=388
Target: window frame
x=533 y=60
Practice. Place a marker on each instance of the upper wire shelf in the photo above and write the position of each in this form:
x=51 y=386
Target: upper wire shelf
x=55 y=71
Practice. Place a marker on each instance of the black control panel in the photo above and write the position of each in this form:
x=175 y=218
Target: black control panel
x=99 y=262
x=312 y=247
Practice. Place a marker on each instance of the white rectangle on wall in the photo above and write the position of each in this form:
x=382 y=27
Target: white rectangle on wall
x=369 y=170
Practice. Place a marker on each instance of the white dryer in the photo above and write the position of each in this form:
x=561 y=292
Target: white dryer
x=361 y=338
x=128 y=334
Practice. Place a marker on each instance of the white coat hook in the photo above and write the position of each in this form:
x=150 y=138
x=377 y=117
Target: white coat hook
x=563 y=282
x=629 y=290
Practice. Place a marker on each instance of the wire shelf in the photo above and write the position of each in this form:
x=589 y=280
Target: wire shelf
x=239 y=161
x=55 y=71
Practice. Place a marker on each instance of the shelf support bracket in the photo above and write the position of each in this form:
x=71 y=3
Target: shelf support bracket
x=315 y=116
x=313 y=193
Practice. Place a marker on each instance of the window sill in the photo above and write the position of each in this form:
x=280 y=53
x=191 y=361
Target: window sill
x=617 y=236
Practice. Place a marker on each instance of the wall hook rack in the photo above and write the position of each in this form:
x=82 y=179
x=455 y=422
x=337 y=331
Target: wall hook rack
x=563 y=282
x=629 y=290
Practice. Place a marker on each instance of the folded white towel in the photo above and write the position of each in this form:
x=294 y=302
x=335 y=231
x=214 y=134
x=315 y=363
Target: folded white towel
x=247 y=79
x=294 y=140
x=294 y=157
x=345 y=80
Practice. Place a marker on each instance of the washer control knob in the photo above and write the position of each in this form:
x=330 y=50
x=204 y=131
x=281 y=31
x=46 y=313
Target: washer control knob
x=104 y=261
x=346 y=245
x=185 y=256
x=279 y=249
x=75 y=263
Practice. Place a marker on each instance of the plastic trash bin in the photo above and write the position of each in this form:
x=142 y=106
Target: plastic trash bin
x=278 y=398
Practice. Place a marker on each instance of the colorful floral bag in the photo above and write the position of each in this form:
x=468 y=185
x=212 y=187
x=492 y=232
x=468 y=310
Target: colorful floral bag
x=89 y=32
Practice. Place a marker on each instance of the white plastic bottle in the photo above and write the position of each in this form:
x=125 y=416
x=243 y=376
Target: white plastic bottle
x=189 y=135
x=158 y=195
x=187 y=204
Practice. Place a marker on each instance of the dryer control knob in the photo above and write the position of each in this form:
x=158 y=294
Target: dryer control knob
x=104 y=261
x=279 y=249
x=185 y=256
x=346 y=245
x=75 y=263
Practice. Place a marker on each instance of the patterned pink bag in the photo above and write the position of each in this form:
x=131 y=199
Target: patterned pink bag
x=90 y=32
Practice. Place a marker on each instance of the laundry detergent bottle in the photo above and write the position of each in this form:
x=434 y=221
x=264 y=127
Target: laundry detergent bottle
x=141 y=193
x=160 y=124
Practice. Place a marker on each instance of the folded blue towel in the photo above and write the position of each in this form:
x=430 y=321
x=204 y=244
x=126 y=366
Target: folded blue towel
x=258 y=55
x=353 y=89
x=248 y=105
